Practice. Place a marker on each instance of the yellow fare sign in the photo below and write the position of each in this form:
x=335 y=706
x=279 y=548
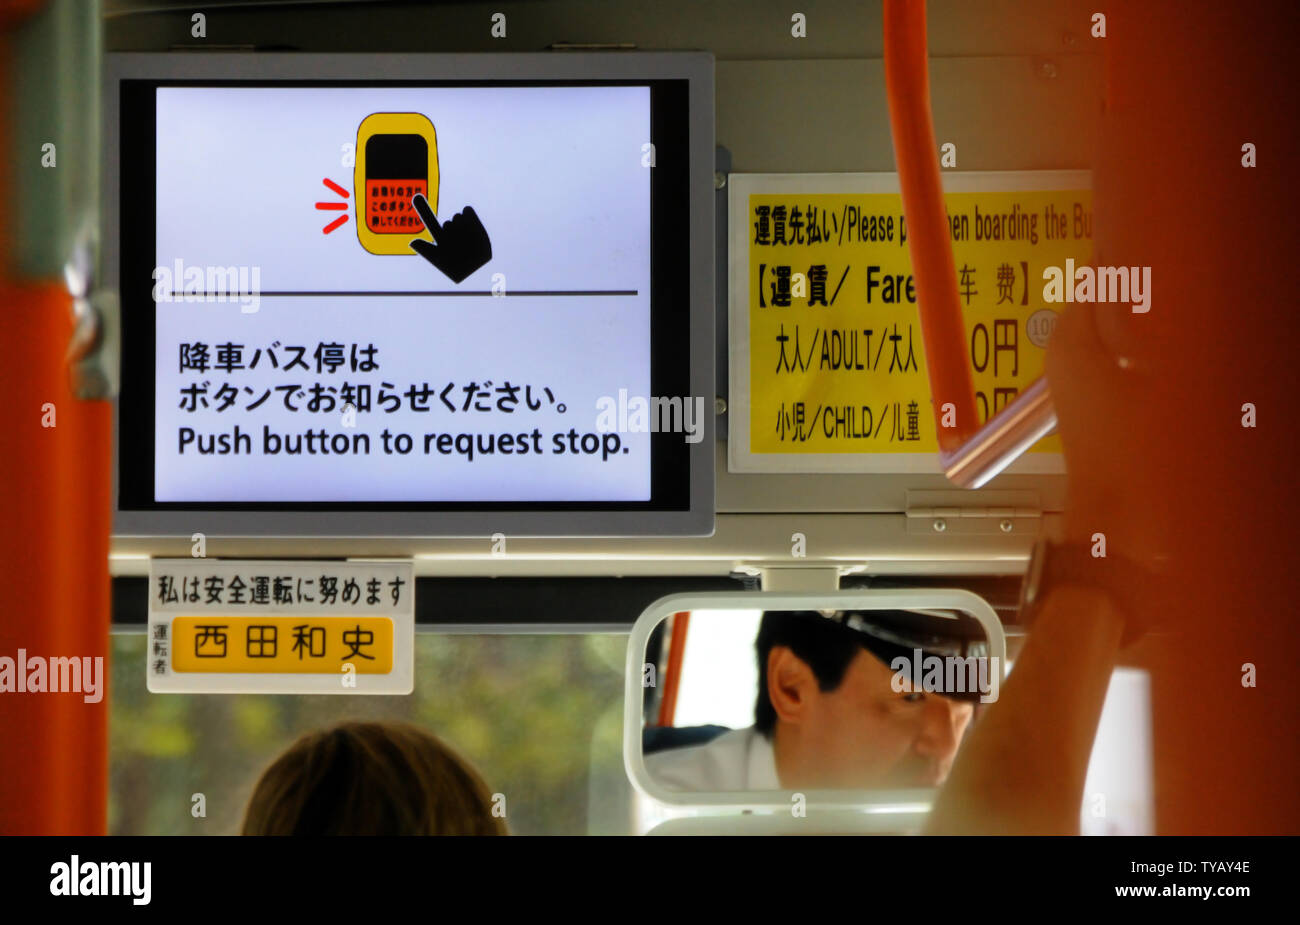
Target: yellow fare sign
x=824 y=309
x=282 y=644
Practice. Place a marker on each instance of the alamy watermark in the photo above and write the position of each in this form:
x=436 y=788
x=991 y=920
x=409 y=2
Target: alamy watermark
x=181 y=283
x=76 y=877
x=656 y=415
x=1099 y=284
x=949 y=674
x=38 y=675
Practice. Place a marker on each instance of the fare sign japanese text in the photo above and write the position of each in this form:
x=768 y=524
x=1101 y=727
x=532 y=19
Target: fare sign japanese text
x=260 y=626
x=828 y=366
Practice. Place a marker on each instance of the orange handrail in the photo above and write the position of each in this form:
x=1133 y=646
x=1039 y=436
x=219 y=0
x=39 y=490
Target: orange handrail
x=55 y=471
x=916 y=155
x=970 y=454
x=673 y=670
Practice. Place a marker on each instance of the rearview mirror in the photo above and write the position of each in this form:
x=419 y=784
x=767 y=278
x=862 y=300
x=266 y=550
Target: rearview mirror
x=852 y=699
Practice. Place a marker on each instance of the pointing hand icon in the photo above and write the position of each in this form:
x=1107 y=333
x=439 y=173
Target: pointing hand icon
x=460 y=246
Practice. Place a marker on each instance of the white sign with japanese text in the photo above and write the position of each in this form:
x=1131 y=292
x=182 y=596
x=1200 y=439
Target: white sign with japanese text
x=267 y=627
x=357 y=371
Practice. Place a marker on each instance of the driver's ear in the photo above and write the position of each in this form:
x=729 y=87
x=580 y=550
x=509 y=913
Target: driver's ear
x=791 y=684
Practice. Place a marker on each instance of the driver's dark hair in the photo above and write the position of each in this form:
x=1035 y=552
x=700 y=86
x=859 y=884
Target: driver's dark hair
x=826 y=647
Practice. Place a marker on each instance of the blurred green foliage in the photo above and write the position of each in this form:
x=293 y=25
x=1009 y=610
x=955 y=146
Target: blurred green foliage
x=538 y=715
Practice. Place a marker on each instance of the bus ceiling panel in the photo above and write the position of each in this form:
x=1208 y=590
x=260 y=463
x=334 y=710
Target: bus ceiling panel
x=980 y=104
x=992 y=541
x=590 y=604
x=731 y=29
x=752 y=493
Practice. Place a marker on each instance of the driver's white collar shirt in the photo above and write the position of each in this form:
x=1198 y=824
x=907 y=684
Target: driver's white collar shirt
x=742 y=759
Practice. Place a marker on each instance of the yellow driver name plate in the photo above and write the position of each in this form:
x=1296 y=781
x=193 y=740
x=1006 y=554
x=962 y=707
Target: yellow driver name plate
x=296 y=645
x=226 y=626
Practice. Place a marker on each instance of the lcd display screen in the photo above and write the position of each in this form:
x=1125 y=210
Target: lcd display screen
x=404 y=295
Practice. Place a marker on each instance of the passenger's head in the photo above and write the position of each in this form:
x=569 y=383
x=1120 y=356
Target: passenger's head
x=830 y=704
x=371 y=779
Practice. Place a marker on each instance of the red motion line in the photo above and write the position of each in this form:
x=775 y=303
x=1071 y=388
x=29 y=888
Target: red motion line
x=334 y=186
x=332 y=206
x=334 y=224
x=939 y=306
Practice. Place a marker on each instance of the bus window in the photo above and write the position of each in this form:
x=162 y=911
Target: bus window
x=540 y=716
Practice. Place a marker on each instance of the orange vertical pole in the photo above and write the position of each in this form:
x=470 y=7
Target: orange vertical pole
x=54 y=469
x=916 y=155
x=53 y=569
x=673 y=674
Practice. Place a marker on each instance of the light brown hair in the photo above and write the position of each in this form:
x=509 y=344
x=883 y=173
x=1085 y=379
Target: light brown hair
x=371 y=779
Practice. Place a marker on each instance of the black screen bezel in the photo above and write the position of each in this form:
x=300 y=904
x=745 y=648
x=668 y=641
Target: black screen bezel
x=670 y=288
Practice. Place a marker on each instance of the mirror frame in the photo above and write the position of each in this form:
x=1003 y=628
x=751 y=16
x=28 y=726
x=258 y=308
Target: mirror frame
x=913 y=801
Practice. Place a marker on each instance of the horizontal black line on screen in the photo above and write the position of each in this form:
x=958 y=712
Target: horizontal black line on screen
x=232 y=296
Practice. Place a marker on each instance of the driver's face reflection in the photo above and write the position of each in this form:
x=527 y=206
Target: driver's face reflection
x=864 y=734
